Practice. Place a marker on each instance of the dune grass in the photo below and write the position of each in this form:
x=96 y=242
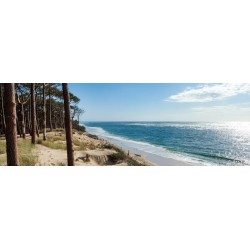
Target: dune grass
x=2 y=147
x=26 y=152
x=53 y=142
x=58 y=141
x=80 y=145
x=27 y=155
x=120 y=156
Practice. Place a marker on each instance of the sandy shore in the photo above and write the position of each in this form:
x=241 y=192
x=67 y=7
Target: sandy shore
x=100 y=152
x=89 y=150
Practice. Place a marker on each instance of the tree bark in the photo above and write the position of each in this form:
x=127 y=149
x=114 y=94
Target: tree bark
x=44 y=112
x=50 y=109
x=11 y=126
x=2 y=109
x=23 y=122
x=68 y=125
x=37 y=116
x=37 y=129
x=33 y=113
x=18 y=128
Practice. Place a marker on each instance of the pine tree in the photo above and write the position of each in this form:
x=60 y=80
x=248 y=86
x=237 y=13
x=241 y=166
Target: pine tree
x=44 y=111
x=33 y=113
x=11 y=125
x=68 y=125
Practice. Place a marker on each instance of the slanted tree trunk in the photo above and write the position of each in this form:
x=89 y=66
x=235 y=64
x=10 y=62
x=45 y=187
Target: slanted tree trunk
x=44 y=112
x=68 y=125
x=33 y=113
x=11 y=126
x=2 y=109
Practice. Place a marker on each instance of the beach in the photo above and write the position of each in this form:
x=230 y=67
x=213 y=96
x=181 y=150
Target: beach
x=89 y=150
x=100 y=153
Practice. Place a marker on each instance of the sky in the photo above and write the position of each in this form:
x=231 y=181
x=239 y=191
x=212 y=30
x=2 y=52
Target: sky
x=219 y=102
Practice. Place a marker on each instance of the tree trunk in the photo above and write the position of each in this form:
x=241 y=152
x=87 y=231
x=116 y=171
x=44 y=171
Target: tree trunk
x=2 y=109
x=68 y=125
x=55 y=122
x=33 y=113
x=50 y=109
x=18 y=128
x=37 y=116
x=44 y=112
x=29 y=117
x=37 y=130
x=11 y=126
x=23 y=122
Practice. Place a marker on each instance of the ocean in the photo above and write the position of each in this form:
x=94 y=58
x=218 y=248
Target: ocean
x=197 y=143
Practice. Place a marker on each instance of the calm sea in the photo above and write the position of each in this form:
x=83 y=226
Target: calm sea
x=193 y=142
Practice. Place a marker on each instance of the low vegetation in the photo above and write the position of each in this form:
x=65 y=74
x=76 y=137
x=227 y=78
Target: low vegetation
x=58 y=141
x=27 y=156
x=51 y=144
x=54 y=141
x=121 y=156
x=81 y=146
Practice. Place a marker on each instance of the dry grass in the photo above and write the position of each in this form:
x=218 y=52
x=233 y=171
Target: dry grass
x=54 y=141
x=27 y=156
x=81 y=146
x=59 y=130
x=56 y=137
x=2 y=147
x=58 y=141
x=74 y=131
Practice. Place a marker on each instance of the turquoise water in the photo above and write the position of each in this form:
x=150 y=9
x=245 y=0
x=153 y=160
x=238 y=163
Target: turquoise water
x=193 y=142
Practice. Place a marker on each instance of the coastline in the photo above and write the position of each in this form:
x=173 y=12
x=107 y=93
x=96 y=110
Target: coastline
x=150 y=158
x=89 y=150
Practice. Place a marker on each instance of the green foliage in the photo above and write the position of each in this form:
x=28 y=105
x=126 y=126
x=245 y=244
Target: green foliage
x=121 y=156
x=117 y=157
x=76 y=126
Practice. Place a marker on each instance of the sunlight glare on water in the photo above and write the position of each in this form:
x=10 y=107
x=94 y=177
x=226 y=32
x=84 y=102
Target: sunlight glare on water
x=224 y=143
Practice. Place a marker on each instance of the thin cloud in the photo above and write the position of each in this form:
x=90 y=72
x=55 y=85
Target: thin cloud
x=210 y=92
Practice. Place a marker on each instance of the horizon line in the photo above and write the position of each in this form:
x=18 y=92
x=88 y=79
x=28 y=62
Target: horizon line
x=162 y=121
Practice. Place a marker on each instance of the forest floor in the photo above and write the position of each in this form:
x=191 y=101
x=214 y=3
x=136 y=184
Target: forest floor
x=89 y=150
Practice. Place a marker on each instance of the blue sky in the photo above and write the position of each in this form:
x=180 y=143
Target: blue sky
x=163 y=102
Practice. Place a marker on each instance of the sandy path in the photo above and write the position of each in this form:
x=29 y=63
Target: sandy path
x=50 y=157
x=58 y=157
